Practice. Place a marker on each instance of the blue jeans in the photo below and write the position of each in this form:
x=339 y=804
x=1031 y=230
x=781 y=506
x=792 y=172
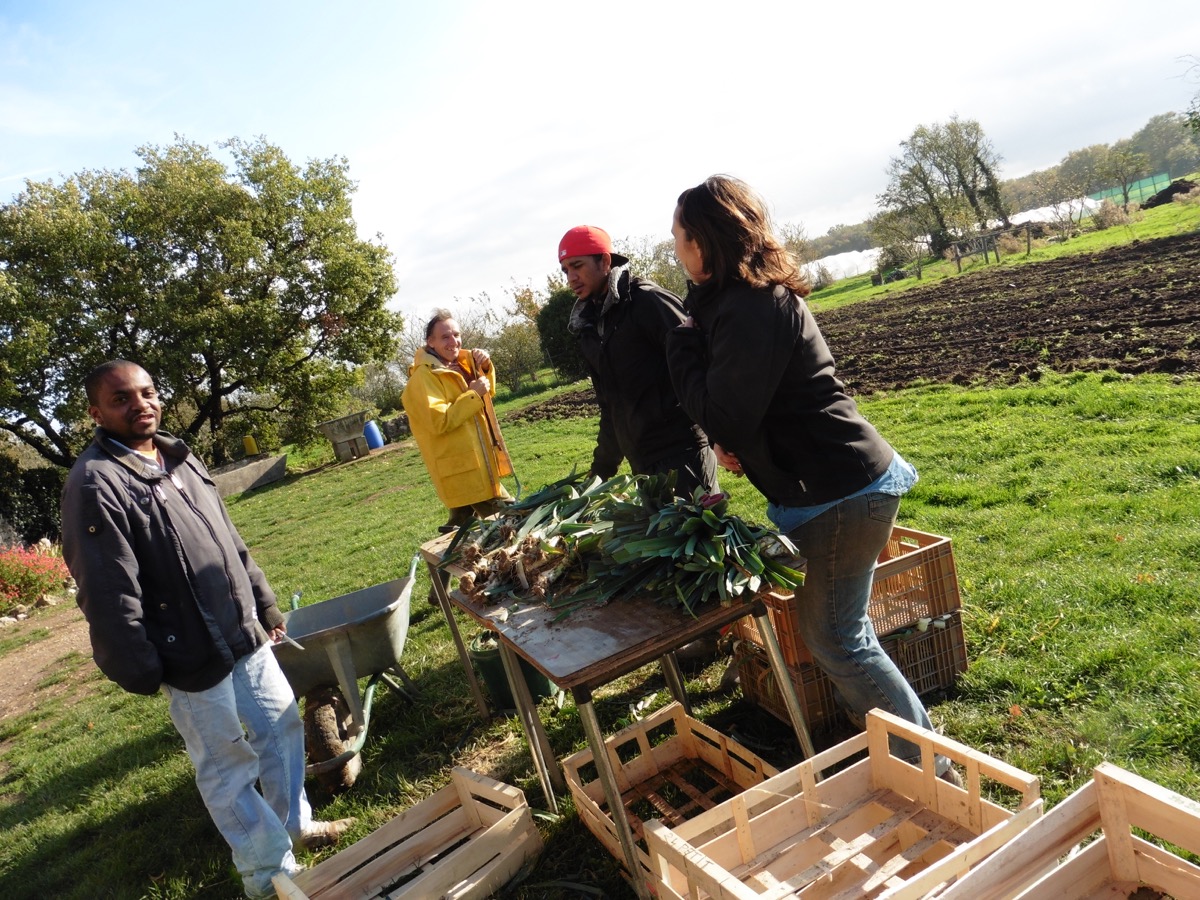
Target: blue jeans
x=229 y=760
x=842 y=546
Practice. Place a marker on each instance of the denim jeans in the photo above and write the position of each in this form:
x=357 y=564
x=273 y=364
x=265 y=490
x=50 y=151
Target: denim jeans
x=842 y=546
x=244 y=730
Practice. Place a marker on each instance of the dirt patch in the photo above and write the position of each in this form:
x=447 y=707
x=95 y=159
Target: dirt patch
x=573 y=405
x=37 y=670
x=1132 y=309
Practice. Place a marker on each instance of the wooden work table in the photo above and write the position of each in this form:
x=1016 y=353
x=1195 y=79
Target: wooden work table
x=587 y=648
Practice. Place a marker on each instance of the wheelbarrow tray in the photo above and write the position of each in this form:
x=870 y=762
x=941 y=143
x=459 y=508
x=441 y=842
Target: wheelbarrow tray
x=464 y=842
x=362 y=633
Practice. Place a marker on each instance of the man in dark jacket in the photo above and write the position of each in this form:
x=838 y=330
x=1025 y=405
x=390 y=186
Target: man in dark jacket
x=175 y=603
x=622 y=323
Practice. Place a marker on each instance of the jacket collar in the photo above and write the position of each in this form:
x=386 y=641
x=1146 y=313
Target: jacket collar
x=168 y=445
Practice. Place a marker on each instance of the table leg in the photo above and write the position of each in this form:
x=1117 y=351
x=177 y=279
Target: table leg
x=441 y=590
x=786 y=687
x=674 y=679
x=539 y=744
x=612 y=792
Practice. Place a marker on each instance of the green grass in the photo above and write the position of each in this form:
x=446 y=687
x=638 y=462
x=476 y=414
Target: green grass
x=1071 y=502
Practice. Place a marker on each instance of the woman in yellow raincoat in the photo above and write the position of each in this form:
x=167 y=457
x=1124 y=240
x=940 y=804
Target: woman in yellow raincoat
x=446 y=400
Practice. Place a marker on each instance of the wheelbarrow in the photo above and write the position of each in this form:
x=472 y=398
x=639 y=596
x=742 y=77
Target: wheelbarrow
x=336 y=642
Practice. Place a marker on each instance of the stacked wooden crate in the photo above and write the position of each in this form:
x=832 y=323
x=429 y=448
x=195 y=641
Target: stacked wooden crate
x=915 y=608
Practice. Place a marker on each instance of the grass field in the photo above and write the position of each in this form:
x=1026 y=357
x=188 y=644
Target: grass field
x=1072 y=506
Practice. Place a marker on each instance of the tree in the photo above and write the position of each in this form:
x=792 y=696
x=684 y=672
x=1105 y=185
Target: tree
x=1167 y=144
x=560 y=347
x=946 y=180
x=1084 y=169
x=901 y=239
x=244 y=290
x=654 y=261
x=1125 y=167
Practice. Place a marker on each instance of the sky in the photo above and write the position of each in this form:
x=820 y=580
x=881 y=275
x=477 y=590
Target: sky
x=479 y=132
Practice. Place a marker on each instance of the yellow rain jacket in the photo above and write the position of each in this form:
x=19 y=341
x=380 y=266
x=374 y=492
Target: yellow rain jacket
x=448 y=423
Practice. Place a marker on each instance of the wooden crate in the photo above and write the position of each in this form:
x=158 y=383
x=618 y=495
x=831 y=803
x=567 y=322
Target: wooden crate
x=914 y=579
x=930 y=661
x=1046 y=861
x=668 y=766
x=880 y=827
x=464 y=842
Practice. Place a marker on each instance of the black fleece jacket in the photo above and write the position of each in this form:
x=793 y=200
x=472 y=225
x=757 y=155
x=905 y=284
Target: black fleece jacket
x=756 y=374
x=623 y=342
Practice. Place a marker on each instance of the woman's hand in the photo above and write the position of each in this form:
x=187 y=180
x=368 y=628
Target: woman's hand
x=727 y=460
x=481 y=386
x=688 y=322
x=482 y=360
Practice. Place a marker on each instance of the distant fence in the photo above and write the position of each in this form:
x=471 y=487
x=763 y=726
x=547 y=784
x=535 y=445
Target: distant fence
x=1138 y=191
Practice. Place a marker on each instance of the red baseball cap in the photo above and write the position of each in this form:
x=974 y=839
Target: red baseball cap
x=587 y=240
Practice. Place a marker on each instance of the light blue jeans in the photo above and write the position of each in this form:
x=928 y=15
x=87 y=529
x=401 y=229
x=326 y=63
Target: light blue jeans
x=243 y=731
x=842 y=546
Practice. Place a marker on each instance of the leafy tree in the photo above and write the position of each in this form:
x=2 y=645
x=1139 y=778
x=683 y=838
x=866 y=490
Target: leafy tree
x=1167 y=144
x=901 y=238
x=558 y=344
x=654 y=261
x=1125 y=167
x=842 y=239
x=243 y=289
x=1084 y=169
x=517 y=350
x=946 y=180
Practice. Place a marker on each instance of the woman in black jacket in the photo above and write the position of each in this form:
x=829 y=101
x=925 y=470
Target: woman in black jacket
x=752 y=369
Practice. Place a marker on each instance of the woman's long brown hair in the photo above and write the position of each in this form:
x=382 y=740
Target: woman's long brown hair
x=730 y=224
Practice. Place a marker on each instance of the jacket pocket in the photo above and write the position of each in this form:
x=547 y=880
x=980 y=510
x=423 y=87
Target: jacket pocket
x=457 y=464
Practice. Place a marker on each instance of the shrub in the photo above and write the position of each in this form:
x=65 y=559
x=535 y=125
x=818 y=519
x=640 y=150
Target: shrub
x=1109 y=214
x=1009 y=244
x=29 y=501
x=560 y=346
x=1190 y=198
x=26 y=575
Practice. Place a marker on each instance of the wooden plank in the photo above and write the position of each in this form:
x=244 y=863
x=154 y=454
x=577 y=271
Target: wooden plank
x=393 y=832
x=966 y=857
x=1166 y=872
x=1114 y=818
x=488 y=879
x=1153 y=808
x=461 y=862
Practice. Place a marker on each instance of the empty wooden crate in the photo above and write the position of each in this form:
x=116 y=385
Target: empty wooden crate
x=1047 y=863
x=668 y=766
x=880 y=827
x=463 y=842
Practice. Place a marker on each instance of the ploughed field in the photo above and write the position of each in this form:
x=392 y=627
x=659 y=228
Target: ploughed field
x=1132 y=309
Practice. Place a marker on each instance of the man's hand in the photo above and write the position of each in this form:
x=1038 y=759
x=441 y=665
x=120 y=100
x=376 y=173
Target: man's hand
x=727 y=460
x=481 y=386
x=482 y=360
x=276 y=634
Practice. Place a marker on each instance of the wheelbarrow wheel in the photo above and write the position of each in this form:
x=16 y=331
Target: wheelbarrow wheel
x=327 y=722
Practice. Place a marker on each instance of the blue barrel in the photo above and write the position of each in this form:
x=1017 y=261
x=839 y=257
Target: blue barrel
x=373 y=435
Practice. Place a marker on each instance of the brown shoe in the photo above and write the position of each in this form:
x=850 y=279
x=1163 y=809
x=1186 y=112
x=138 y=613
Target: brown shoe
x=324 y=834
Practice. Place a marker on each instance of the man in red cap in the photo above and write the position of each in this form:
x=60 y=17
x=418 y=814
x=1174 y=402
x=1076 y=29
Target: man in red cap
x=622 y=322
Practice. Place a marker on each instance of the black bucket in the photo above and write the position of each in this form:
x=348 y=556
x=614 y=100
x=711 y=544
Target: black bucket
x=485 y=656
